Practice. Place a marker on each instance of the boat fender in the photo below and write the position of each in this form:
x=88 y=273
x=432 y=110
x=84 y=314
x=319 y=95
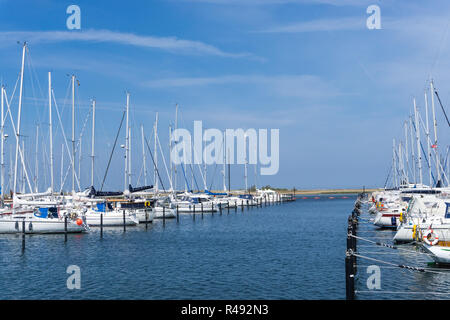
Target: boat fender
x=430 y=237
x=30 y=226
x=414 y=230
x=393 y=221
x=401 y=217
x=16 y=226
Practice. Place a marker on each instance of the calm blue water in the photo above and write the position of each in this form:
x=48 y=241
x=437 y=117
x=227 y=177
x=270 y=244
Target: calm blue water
x=289 y=251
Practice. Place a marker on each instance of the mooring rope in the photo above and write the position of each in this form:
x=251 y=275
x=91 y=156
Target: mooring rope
x=388 y=245
x=402 y=266
x=401 y=292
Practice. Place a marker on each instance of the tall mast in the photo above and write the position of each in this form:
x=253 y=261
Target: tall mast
x=19 y=115
x=174 y=165
x=62 y=166
x=170 y=156
x=435 y=144
x=400 y=163
x=144 y=158
x=129 y=155
x=428 y=139
x=394 y=166
x=419 y=154
x=36 y=166
x=2 y=153
x=50 y=128
x=23 y=170
x=73 y=134
x=224 y=163
x=93 y=143
x=413 y=156
x=126 y=143
x=156 y=153
x=405 y=125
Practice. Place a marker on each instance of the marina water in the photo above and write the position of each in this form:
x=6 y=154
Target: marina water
x=294 y=250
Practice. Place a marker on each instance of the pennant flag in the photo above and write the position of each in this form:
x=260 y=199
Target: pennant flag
x=434 y=146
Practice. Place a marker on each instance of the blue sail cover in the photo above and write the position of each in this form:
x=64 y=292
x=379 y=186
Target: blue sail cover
x=101 y=207
x=215 y=194
x=41 y=213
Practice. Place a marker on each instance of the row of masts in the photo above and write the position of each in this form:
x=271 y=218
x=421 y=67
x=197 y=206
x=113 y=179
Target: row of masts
x=75 y=179
x=408 y=156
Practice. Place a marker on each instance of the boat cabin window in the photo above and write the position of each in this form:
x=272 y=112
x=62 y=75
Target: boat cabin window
x=447 y=211
x=53 y=212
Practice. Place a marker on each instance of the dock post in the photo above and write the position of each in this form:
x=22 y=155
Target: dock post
x=212 y=209
x=146 y=219
x=124 y=224
x=178 y=216
x=220 y=208
x=23 y=234
x=194 y=212
x=201 y=205
x=349 y=277
x=351 y=243
x=242 y=205
x=101 y=225
x=65 y=229
x=235 y=206
x=164 y=216
x=228 y=206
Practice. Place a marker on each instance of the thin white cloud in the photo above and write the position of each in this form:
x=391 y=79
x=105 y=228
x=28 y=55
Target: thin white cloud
x=171 y=44
x=351 y=23
x=305 y=86
x=275 y=2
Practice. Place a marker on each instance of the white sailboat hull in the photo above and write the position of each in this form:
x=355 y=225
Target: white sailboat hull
x=144 y=216
x=166 y=213
x=37 y=225
x=110 y=219
x=438 y=253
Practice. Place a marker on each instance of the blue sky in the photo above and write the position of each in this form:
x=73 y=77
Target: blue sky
x=337 y=91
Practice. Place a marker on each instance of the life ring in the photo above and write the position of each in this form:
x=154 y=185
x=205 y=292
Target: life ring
x=147 y=203
x=430 y=237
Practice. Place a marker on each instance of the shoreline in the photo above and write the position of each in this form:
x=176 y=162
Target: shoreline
x=326 y=191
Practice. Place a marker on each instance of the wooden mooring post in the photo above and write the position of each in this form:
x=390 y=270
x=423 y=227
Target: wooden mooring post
x=164 y=216
x=101 y=225
x=23 y=234
x=124 y=222
x=350 y=260
x=65 y=229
